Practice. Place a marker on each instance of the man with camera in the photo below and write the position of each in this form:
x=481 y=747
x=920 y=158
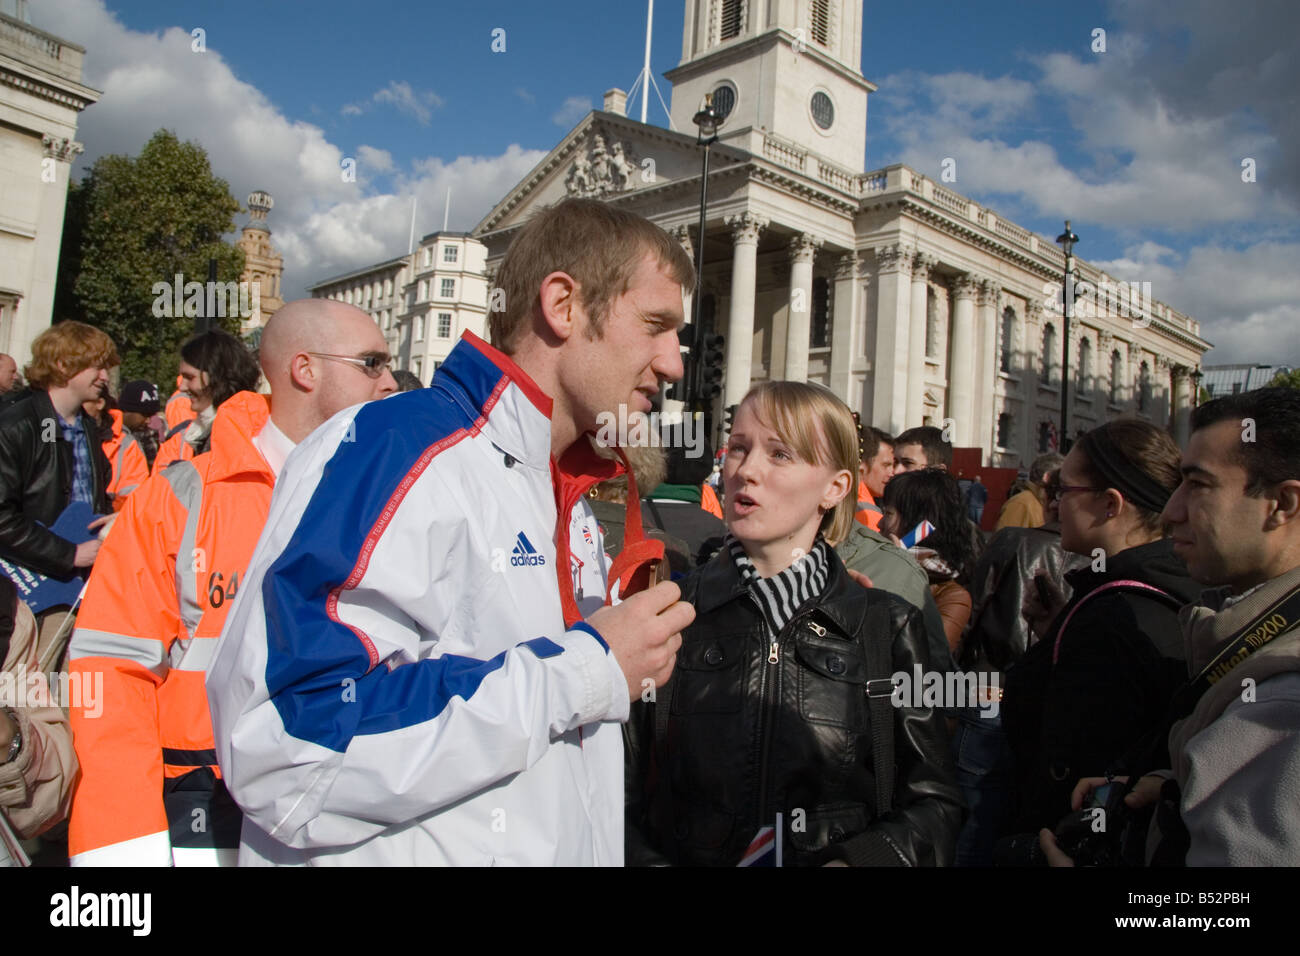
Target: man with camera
x=1235 y=520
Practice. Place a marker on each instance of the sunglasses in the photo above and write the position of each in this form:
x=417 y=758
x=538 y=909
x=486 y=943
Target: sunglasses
x=374 y=363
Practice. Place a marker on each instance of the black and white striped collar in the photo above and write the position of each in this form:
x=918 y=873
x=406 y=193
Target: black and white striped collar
x=780 y=596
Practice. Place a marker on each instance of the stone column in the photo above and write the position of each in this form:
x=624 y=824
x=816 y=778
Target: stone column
x=961 y=366
x=1182 y=418
x=844 y=322
x=985 y=426
x=802 y=249
x=893 y=334
x=745 y=230
x=921 y=266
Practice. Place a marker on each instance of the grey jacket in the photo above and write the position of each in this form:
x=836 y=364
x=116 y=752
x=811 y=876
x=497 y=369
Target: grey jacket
x=1237 y=756
x=894 y=570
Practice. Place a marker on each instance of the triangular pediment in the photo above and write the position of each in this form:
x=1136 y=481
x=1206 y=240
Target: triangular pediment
x=606 y=156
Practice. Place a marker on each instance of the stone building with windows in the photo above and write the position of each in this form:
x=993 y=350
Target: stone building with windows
x=41 y=95
x=422 y=301
x=915 y=304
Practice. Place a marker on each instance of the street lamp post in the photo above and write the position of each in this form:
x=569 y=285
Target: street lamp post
x=1067 y=240
x=708 y=121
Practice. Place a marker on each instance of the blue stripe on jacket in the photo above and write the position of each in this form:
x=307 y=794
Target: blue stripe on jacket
x=309 y=656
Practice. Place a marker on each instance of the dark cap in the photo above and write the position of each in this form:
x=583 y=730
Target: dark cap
x=139 y=397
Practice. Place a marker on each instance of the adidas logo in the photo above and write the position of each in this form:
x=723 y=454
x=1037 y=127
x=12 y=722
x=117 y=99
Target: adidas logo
x=524 y=553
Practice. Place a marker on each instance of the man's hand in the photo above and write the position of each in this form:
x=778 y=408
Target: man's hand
x=86 y=552
x=644 y=633
x=103 y=524
x=1055 y=855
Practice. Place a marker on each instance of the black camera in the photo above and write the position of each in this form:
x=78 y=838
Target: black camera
x=1092 y=836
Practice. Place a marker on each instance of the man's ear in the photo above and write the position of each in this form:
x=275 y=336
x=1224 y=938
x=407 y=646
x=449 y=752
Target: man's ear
x=1287 y=510
x=302 y=373
x=558 y=299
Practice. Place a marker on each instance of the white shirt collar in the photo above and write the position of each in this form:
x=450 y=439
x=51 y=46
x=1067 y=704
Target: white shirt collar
x=274 y=446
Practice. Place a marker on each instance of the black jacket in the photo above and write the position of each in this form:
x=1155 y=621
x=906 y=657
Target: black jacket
x=745 y=739
x=1121 y=659
x=36 y=484
x=997 y=633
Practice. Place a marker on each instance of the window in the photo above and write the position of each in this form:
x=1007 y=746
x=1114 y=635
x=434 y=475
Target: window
x=419 y=328
x=823 y=111
x=820 y=20
x=1144 y=387
x=423 y=288
x=1085 y=367
x=733 y=18
x=418 y=369
x=1046 y=437
x=724 y=100
x=1116 y=375
x=1008 y=332
x=444 y=325
x=436 y=366
x=1004 y=430
x=450 y=254
x=1049 y=354
x=448 y=290
x=388 y=288
x=428 y=255
x=820 y=332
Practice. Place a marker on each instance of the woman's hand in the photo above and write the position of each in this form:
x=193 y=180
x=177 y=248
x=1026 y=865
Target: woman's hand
x=1043 y=602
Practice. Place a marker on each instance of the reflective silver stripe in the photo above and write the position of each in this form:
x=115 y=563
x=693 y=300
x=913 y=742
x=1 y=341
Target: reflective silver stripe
x=117 y=469
x=194 y=654
x=188 y=488
x=144 y=651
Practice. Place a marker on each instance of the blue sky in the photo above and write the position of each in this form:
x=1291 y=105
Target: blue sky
x=1139 y=145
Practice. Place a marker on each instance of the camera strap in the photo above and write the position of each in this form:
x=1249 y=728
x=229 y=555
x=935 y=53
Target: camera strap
x=1278 y=618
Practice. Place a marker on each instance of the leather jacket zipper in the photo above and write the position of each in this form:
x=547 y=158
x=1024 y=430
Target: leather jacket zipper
x=768 y=711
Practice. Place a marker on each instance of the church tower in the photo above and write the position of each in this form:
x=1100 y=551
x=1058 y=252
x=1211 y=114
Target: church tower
x=780 y=71
x=262 y=264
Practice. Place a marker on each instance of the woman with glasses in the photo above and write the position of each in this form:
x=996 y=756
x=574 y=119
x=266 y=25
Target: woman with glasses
x=780 y=728
x=1108 y=661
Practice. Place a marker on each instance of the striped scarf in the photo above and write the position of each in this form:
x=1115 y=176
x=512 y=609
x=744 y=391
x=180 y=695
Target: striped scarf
x=780 y=596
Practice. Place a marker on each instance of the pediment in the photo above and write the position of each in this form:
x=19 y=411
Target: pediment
x=606 y=156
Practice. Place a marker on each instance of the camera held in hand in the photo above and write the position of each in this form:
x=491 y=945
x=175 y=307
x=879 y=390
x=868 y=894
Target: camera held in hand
x=1093 y=836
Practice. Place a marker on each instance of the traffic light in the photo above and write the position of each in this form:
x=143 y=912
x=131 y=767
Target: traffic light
x=729 y=418
x=711 y=361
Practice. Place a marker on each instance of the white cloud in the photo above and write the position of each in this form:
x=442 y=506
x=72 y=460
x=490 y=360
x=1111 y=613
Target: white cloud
x=321 y=224
x=525 y=95
x=417 y=103
x=573 y=109
x=1246 y=300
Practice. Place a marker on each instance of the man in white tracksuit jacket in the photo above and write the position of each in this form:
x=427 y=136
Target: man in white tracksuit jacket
x=418 y=668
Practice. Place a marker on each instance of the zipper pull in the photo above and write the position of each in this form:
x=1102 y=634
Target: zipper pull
x=817 y=629
x=772 y=654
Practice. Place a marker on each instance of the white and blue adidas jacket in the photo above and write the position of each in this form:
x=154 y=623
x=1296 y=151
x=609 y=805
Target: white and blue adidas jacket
x=395 y=683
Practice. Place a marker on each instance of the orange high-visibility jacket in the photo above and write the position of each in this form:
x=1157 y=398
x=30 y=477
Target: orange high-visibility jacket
x=709 y=500
x=150 y=790
x=130 y=466
x=868 y=512
x=178 y=408
x=173 y=448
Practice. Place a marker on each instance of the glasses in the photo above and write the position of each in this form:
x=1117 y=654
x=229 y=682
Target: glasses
x=1059 y=490
x=374 y=363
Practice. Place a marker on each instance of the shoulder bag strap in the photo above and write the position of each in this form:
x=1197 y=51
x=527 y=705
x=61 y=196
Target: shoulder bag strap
x=878 y=644
x=1108 y=586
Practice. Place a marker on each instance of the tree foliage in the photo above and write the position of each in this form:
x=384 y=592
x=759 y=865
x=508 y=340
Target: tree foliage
x=134 y=222
x=1289 y=379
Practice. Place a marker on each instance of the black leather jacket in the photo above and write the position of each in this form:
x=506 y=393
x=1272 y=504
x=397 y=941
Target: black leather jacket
x=748 y=737
x=36 y=484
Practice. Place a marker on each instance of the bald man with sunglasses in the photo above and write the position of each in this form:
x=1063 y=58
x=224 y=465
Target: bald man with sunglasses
x=151 y=792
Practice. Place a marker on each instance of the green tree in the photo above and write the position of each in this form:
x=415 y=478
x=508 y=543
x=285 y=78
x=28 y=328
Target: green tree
x=1289 y=379
x=135 y=222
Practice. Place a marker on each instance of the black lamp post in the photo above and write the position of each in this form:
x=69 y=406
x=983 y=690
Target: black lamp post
x=708 y=121
x=1196 y=386
x=1067 y=240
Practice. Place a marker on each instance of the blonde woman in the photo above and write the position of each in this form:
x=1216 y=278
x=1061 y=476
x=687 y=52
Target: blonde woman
x=779 y=725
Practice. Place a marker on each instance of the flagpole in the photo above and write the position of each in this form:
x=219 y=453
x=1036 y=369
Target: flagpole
x=645 y=70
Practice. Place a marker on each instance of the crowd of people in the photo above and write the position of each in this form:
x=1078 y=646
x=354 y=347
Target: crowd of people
x=330 y=617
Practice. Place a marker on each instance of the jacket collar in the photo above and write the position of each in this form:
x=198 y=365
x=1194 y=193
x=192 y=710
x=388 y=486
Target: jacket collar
x=238 y=420
x=1207 y=629
x=718 y=583
x=476 y=376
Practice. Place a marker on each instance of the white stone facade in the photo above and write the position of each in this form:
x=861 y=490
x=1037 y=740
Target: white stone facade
x=41 y=94
x=911 y=302
x=423 y=301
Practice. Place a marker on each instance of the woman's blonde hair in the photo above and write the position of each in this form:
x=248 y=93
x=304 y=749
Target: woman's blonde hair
x=819 y=428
